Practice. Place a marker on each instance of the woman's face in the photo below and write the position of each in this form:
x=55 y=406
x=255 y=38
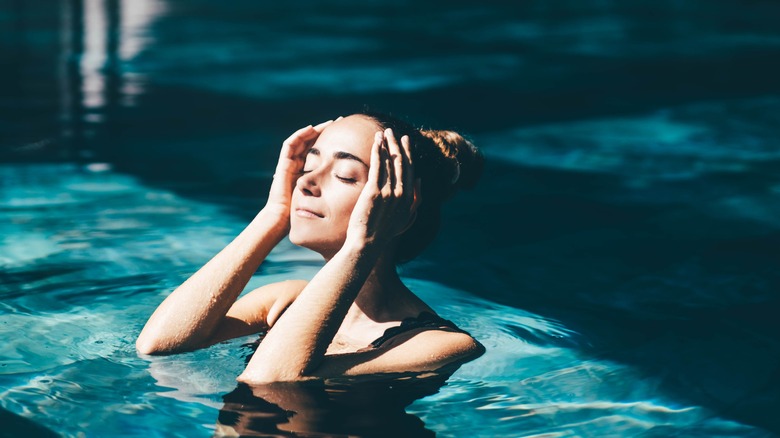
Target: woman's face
x=335 y=172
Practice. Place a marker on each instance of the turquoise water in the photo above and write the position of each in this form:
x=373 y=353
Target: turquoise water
x=88 y=253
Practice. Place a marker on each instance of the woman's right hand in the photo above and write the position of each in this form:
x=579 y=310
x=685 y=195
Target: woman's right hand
x=291 y=160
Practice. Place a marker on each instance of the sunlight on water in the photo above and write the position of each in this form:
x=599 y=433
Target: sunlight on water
x=80 y=278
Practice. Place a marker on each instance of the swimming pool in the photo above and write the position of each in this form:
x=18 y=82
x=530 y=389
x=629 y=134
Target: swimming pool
x=88 y=253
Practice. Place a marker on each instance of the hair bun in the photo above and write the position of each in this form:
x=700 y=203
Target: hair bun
x=464 y=160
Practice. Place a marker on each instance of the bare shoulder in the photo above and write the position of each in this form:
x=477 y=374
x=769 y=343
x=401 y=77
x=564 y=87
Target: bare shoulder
x=258 y=309
x=281 y=295
x=419 y=350
x=268 y=301
x=278 y=288
x=254 y=311
x=444 y=346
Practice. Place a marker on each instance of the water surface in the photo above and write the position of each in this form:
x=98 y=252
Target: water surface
x=88 y=254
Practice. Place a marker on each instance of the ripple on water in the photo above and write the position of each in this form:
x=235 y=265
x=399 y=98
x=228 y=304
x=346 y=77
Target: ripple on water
x=537 y=377
x=679 y=143
x=21 y=247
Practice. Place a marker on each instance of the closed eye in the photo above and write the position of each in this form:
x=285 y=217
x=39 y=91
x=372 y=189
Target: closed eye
x=347 y=180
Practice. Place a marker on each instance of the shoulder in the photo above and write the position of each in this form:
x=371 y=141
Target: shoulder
x=280 y=287
x=439 y=346
x=283 y=294
x=267 y=302
x=433 y=334
x=418 y=350
x=273 y=291
x=256 y=311
x=430 y=344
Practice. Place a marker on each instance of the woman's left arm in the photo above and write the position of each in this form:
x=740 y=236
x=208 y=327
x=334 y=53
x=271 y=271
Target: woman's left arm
x=296 y=345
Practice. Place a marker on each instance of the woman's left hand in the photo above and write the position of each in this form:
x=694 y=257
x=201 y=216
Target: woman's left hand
x=384 y=207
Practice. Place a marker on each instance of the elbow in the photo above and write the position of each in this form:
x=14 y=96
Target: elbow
x=152 y=344
x=261 y=378
x=249 y=379
x=149 y=346
x=266 y=376
x=146 y=347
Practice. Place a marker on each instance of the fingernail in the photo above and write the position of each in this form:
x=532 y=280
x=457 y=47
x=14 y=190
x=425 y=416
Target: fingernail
x=340 y=117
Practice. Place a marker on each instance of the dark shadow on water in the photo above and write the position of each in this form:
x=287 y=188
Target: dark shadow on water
x=667 y=280
x=356 y=407
x=15 y=425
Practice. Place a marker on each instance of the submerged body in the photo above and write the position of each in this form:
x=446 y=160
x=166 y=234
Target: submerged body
x=350 y=191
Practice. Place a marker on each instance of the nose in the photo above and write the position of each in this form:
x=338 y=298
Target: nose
x=309 y=183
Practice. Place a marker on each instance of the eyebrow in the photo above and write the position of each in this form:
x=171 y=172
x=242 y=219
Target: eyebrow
x=340 y=155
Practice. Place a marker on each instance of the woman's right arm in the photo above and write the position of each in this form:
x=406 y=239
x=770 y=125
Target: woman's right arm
x=192 y=315
x=189 y=316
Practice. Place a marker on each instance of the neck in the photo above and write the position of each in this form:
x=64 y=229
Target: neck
x=383 y=296
x=382 y=292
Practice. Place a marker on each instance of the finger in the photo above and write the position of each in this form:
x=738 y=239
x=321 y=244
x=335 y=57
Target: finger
x=387 y=170
x=374 y=163
x=322 y=126
x=299 y=142
x=299 y=138
x=406 y=149
x=303 y=132
x=308 y=132
x=396 y=164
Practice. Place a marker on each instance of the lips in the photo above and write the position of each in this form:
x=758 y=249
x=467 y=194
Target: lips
x=306 y=213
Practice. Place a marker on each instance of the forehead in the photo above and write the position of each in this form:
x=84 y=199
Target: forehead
x=353 y=134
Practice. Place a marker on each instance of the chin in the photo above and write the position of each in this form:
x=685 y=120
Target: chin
x=314 y=242
x=297 y=239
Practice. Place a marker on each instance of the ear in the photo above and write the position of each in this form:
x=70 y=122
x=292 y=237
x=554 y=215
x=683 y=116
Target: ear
x=417 y=198
x=417 y=195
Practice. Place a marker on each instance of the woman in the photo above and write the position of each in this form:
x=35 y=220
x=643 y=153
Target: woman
x=365 y=192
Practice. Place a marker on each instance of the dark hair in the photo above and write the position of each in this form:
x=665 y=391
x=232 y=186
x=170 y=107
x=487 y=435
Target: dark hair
x=445 y=162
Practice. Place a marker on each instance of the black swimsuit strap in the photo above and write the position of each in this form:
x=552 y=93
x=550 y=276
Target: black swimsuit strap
x=424 y=320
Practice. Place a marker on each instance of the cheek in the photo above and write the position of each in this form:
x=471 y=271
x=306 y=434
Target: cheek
x=346 y=204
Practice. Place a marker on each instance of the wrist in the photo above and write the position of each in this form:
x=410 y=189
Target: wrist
x=275 y=218
x=362 y=249
x=280 y=211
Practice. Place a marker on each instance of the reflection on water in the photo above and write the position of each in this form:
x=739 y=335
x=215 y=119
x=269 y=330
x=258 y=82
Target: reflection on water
x=99 y=38
x=482 y=66
x=70 y=73
x=375 y=407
